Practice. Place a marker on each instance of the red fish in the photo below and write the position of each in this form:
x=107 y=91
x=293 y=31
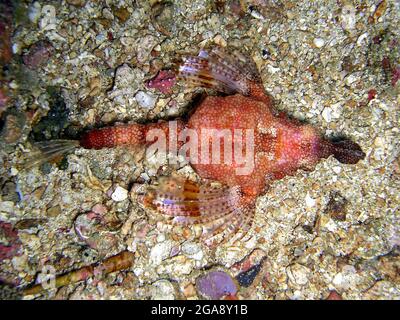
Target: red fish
x=259 y=145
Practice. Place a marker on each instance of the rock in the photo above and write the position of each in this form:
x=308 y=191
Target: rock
x=395 y=76
x=192 y=250
x=119 y=194
x=215 y=285
x=26 y=224
x=107 y=14
x=160 y=252
x=3 y=99
x=298 y=274
x=327 y=114
x=163 y=14
x=34 y=12
x=319 y=42
x=336 y=207
x=56 y=120
x=382 y=290
x=126 y=82
x=189 y=290
x=345 y=279
x=220 y=41
x=7 y=206
x=38 y=54
x=162 y=290
x=333 y=295
x=53 y=211
x=99 y=209
x=310 y=202
x=10 y=292
x=363 y=39
x=49 y=20
x=246 y=278
x=94 y=231
x=77 y=3
x=121 y=13
x=144 y=46
x=9 y=193
x=10 y=243
x=163 y=81
x=6 y=30
x=145 y=100
x=13 y=126
x=176 y=267
x=352 y=78
x=394 y=233
x=348 y=17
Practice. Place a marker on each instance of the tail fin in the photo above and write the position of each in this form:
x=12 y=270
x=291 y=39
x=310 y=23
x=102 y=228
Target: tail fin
x=47 y=151
x=345 y=151
x=218 y=70
x=220 y=210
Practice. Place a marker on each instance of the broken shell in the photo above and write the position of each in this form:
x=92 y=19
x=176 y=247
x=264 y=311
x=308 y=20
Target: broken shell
x=216 y=284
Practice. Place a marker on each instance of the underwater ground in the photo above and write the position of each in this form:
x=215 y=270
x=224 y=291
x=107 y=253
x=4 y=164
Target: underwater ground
x=72 y=65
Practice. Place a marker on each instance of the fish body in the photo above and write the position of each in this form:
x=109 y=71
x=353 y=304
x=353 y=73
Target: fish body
x=238 y=140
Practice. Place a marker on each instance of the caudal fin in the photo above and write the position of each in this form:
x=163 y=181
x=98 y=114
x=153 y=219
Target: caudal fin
x=47 y=151
x=345 y=151
x=219 y=70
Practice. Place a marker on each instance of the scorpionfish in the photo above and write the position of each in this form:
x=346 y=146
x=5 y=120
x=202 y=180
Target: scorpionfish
x=242 y=121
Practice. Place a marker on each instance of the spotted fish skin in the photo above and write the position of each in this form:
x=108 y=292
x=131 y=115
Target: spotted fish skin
x=281 y=146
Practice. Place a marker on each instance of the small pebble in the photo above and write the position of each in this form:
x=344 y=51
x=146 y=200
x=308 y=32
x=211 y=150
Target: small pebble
x=48 y=21
x=162 y=290
x=327 y=114
x=34 y=12
x=99 y=209
x=298 y=274
x=348 y=17
x=53 y=211
x=319 y=43
x=160 y=252
x=192 y=250
x=246 y=278
x=333 y=295
x=77 y=3
x=145 y=100
x=310 y=202
x=119 y=194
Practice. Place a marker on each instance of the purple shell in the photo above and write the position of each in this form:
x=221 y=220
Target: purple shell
x=11 y=244
x=215 y=285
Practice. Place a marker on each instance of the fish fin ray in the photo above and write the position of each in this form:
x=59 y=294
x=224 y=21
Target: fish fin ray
x=219 y=70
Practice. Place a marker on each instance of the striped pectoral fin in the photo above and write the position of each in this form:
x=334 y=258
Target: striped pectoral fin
x=233 y=227
x=220 y=210
x=219 y=70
